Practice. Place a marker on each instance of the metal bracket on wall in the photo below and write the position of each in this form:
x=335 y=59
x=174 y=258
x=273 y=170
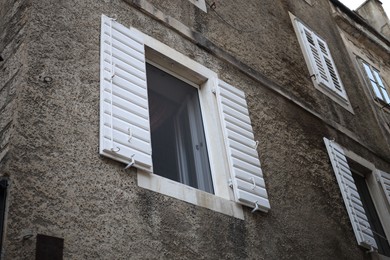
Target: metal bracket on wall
x=131 y=163
x=256 y=207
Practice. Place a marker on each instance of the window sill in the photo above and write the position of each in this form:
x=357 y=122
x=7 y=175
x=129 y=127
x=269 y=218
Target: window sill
x=333 y=96
x=188 y=194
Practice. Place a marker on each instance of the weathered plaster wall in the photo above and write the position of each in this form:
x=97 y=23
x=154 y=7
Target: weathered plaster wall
x=13 y=20
x=62 y=187
x=267 y=42
x=363 y=45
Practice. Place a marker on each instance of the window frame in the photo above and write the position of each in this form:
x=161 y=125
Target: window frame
x=206 y=81
x=369 y=83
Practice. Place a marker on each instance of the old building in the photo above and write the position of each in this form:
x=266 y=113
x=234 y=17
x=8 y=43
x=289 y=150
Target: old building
x=134 y=129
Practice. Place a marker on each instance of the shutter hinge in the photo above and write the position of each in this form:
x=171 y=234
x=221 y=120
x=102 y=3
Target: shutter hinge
x=378 y=176
x=214 y=91
x=230 y=183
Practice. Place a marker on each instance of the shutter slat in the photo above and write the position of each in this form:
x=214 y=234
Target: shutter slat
x=123 y=137
x=123 y=125
x=244 y=165
x=124 y=114
x=352 y=201
x=129 y=118
x=241 y=138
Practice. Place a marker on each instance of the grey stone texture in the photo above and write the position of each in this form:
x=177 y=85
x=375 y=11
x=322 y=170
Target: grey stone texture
x=60 y=186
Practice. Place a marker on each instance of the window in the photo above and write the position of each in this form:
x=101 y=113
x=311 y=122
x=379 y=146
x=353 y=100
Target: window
x=374 y=79
x=372 y=215
x=365 y=198
x=320 y=63
x=3 y=197
x=178 y=140
x=187 y=132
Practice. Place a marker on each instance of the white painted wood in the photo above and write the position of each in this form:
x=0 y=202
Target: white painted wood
x=244 y=164
x=352 y=201
x=321 y=62
x=124 y=115
x=384 y=179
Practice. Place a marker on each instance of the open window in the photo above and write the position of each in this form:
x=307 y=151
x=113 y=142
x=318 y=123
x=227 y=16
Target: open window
x=364 y=197
x=187 y=132
x=177 y=131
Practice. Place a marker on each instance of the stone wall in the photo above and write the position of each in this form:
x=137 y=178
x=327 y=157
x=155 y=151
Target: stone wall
x=62 y=187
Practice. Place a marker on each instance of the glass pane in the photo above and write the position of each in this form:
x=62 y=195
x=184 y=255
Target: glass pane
x=378 y=78
x=386 y=95
x=178 y=140
x=381 y=86
x=376 y=90
x=368 y=72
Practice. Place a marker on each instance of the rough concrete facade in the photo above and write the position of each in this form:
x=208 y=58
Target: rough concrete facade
x=60 y=186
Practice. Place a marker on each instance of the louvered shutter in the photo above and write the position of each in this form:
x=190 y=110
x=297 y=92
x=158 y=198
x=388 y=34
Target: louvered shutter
x=247 y=177
x=321 y=61
x=124 y=115
x=357 y=215
x=384 y=179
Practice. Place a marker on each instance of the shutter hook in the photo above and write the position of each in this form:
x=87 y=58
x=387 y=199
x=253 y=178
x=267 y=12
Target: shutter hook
x=113 y=71
x=256 y=144
x=115 y=150
x=256 y=207
x=254 y=183
x=131 y=163
x=130 y=134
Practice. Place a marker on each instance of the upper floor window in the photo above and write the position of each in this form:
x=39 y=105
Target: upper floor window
x=320 y=63
x=374 y=79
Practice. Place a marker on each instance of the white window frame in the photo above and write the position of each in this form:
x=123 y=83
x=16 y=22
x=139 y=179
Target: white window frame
x=374 y=184
x=334 y=91
x=185 y=68
x=368 y=82
x=228 y=132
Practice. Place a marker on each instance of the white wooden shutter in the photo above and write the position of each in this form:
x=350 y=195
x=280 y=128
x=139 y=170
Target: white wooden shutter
x=247 y=177
x=384 y=179
x=357 y=215
x=321 y=61
x=124 y=115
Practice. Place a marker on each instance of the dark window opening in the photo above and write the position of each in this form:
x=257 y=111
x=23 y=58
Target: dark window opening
x=372 y=215
x=3 y=197
x=179 y=149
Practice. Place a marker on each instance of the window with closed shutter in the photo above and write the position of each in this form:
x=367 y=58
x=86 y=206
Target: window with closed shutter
x=321 y=66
